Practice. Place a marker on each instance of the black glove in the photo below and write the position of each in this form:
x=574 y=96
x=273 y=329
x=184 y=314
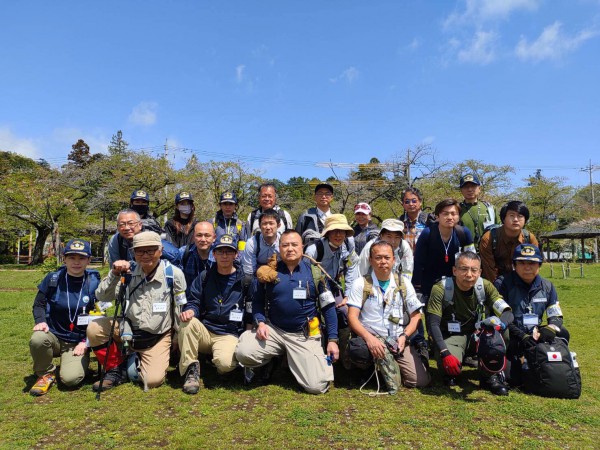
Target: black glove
x=547 y=334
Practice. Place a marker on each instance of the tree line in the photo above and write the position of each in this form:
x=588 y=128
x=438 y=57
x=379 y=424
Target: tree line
x=82 y=198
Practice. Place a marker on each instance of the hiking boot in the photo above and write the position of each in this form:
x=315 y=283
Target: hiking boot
x=112 y=378
x=495 y=384
x=248 y=376
x=264 y=373
x=43 y=384
x=471 y=361
x=192 y=379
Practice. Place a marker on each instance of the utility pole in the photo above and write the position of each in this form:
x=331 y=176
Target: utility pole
x=590 y=169
x=408 y=179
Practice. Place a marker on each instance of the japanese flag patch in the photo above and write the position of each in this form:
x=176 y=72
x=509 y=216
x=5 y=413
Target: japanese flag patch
x=554 y=356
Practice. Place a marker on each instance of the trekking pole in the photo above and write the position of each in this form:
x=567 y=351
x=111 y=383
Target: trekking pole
x=318 y=264
x=120 y=302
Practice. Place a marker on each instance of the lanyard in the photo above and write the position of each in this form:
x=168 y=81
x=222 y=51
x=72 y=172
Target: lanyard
x=72 y=318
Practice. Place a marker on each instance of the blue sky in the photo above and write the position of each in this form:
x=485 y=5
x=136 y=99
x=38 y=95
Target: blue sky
x=286 y=85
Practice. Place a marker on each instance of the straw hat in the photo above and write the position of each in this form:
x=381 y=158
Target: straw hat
x=337 y=222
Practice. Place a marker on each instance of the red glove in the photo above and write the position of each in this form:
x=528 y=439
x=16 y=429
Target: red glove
x=452 y=365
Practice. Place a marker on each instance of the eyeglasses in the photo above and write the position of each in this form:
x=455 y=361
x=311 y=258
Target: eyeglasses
x=408 y=201
x=142 y=252
x=466 y=270
x=323 y=194
x=129 y=224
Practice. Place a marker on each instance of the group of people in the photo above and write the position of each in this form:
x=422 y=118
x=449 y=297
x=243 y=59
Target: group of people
x=251 y=293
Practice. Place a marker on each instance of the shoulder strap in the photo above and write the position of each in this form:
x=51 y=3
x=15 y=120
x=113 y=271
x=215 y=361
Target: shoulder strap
x=448 y=283
x=400 y=286
x=257 y=246
x=252 y=218
x=480 y=291
x=367 y=288
x=494 y=237
x=526 y=236
x=168 y=273
x=186 y=255
x=320 y=250
x=460 y=233
x=53 y=283
x=122 y=250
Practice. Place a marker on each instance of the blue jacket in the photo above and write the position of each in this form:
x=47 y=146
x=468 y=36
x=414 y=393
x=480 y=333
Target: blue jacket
x=539 y=296
x=285 y=312
x=213 y=297
x=191 y=264
x=430 y=256
x=55 y=306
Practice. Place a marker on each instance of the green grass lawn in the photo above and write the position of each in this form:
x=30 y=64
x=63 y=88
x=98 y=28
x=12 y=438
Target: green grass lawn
x=226 y=415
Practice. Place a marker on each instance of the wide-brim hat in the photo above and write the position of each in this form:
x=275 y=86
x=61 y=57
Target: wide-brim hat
x=146 y=239
x=337 y=222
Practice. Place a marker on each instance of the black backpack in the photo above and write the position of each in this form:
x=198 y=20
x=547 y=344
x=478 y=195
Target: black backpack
x=552 y=370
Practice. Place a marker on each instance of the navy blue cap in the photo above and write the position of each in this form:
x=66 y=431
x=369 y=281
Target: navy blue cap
x=140 y=194
x=527 y=252
x=226 y=240
x=228 y=197
x=469 y=178
x=78 y=247
x=324 y=186
x=183 y=196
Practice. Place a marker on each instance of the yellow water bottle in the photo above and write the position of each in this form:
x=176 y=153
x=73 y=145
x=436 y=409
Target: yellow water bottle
x=313 y=327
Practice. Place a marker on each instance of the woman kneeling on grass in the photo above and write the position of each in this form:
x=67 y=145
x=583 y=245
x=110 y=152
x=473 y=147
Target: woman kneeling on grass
x=59 y=310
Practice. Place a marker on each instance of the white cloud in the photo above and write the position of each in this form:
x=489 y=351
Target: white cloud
x=428 y=140
x=414 y=45
x=144 y=114
x=481 y=48
x=239 y=73
x=552 y=43
x=65 y=137
x=348 y=75
x=9 y=142
x=481 y=11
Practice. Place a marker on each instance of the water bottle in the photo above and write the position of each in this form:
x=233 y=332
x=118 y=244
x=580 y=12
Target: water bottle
x=574 y=358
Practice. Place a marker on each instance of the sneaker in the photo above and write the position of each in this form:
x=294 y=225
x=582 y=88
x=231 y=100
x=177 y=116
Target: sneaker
x=112 y=378
x=496 y=385
x=192 y=379
x=248 y=376
x=471 y=361
x=43 y=384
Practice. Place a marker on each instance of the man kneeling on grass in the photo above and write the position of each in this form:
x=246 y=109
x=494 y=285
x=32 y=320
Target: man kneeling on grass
x=286 y=314
x=151 y=295
x=213 y=318
x=59 y=311
x=384 y=312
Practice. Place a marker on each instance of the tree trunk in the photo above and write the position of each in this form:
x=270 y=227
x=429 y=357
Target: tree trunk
x=40 y=241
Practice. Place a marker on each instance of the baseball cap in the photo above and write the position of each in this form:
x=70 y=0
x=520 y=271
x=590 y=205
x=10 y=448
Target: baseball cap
x=527 y=252
x=183 y=196
x=362 y=208
x=228 y=197
x=392 y=225
x=146 y=239
x=469 y=178
x=78 y=247
x=226 y=240
x=324 y=186
x=140 y=194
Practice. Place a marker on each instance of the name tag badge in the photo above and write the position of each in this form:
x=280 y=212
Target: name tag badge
x=531 y=320
x=83 y=320
x=236 y=315
x=540 y=300
x=299 y=293
x=159 y=307
x=396 y=311
x=454 y=327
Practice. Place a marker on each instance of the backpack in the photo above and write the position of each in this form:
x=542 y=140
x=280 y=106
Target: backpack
x=368 y=287
x=479 y=290
x=552 y=370
x=282 y=217
x=321 y=248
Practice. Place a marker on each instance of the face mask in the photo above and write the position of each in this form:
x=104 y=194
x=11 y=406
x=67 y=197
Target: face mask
x=185 y=209
x=142 y=210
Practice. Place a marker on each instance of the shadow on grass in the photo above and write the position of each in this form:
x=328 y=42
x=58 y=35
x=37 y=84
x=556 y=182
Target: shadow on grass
x=467 y=383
